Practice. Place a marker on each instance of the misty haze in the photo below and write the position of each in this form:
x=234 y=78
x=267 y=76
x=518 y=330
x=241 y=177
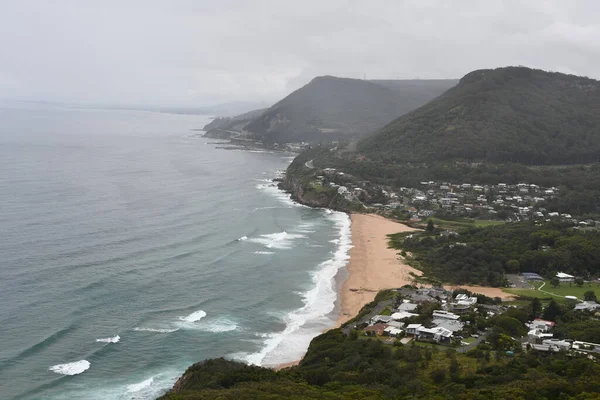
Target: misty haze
x=304 y=200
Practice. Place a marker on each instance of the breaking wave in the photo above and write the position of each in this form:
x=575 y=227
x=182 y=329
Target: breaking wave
x=114 y=339
x=280 y=240
x=194 y=317
x=155 y=330
x=303 y=324
x=138 y=387
x=73 y=368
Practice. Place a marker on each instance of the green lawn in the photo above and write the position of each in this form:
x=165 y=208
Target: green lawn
x=528 y=293
x=560 y=291
x=483 y=222
x=317 y=187
x=462 y=223
x=386 y=311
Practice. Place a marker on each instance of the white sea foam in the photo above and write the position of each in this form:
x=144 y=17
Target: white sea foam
x=304 y=324
x=194 y=317
x=219 y=325
x=114 y=339
x=155 y=330
x=272 y=189
x=73 y=368
x=279 y=240
x=306 y=227
x=243 y=238
x=264 y=252
x=138 y=387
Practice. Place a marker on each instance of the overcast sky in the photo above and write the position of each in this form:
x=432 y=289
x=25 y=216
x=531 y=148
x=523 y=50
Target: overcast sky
x=196 y=52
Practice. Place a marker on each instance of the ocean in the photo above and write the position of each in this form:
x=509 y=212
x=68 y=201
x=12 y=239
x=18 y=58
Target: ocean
x=132 y=247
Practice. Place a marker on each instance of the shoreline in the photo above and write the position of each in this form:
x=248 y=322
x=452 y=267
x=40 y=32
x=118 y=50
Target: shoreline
x=373 y=266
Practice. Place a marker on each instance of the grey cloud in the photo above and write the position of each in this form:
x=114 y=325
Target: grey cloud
x=202 y=52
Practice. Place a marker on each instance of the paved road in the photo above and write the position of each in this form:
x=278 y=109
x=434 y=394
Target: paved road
x=464 y=349
x=376 y=311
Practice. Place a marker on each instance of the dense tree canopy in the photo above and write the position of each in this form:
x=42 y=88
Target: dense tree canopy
x=483 y=255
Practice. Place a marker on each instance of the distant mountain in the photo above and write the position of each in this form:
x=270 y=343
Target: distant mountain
x=512 y=114
x=330 y=108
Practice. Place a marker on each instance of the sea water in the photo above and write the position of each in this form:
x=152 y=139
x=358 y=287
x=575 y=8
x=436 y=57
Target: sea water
x=132 y=247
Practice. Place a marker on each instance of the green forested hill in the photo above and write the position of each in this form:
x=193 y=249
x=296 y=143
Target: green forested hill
x=512 y=114
x=330 y=108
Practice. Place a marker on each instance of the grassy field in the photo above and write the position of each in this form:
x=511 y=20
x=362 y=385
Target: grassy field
x=557 y=292
x=462 y=223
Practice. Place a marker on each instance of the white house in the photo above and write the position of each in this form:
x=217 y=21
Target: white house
x=556 y=344
x=565 y=277
x=587 y=305
x=393 y=332
x=439 y=334
x=412 y=329
x=407 y=306
x=400 y=315
x=541 y=324
x=396 y=324
x=449 y=324
x=381 y=318
x=445 y=315
x=537 y=335
x=586 y=346
x=462 y=298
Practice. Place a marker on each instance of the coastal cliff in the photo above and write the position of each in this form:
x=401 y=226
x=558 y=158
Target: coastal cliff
x=315 y=196
x=305 y=186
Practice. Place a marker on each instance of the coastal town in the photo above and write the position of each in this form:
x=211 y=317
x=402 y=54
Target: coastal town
x=463 y=320
x=502 y=202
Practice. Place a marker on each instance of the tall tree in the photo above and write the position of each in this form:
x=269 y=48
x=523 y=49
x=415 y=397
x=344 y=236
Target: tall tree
x=551 y=311
x=536 y=307
x=430 y=226
x=589 y=296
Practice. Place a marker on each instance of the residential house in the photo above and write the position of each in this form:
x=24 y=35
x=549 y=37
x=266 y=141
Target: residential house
x=381 y=318
x=407 y=306
x=451 y=325
x=377 y=329
x=437 y=334
x=536 y=335
x=540 y=347
x=445 y=315
x=541 y=324
x=392 y=331
x=564 y=277
x=557 y=344
x=396 y=324
x=400 y=315
x=587 y=306
x=412 y=329
x=586 y=346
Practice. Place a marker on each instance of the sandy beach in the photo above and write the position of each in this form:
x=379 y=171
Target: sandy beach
x=373 y=266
